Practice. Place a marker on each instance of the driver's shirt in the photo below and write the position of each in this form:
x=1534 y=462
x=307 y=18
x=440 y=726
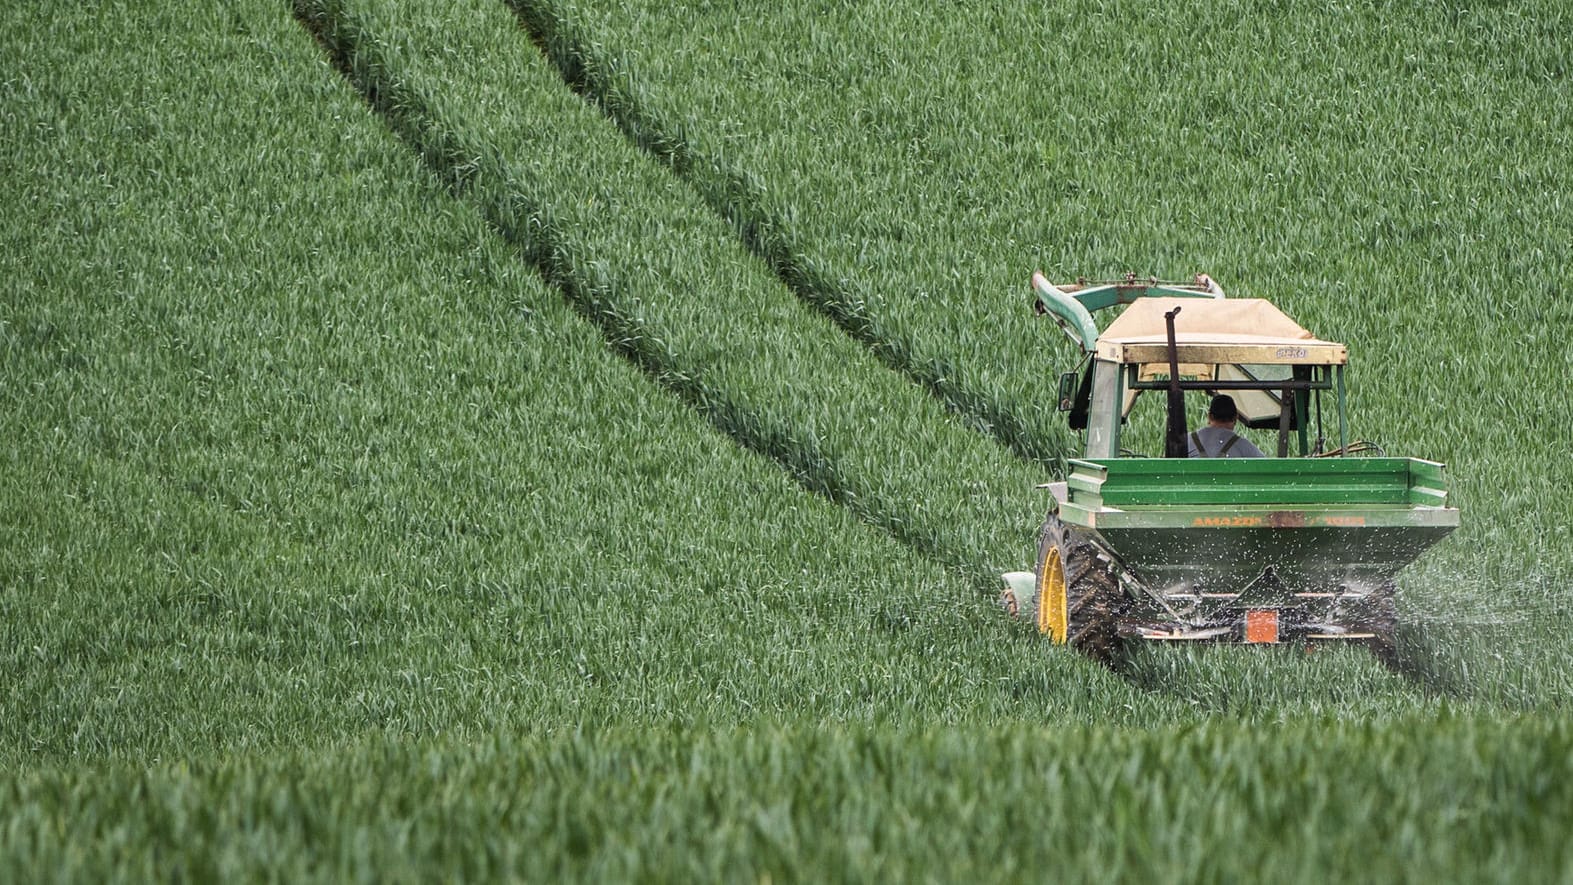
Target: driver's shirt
x=1214 y=439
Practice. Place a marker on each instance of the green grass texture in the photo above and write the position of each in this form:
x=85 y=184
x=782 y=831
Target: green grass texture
x=1392 y=177
x=410 y=475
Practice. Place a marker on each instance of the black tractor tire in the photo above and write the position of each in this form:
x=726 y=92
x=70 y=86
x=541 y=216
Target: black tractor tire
x=1094 y=601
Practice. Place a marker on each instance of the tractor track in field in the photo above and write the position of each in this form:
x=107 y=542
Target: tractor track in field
x=354 y=54
x=731 y=196
x=587 y=71
x=460 y=165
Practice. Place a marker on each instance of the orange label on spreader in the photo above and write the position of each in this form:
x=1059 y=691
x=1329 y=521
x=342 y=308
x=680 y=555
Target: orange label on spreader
x=1261 y=625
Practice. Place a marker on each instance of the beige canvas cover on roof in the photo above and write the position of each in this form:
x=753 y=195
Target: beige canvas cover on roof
x=1217 y=339
x=1215 y=319
x=1214 y=331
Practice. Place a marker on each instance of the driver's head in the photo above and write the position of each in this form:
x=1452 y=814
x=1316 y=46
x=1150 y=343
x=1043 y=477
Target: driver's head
x=1222 y=410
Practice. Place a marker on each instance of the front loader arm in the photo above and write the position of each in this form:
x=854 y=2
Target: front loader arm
x=1072 y=305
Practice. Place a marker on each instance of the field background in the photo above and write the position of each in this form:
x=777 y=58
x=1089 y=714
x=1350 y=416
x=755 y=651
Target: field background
x=577 y=440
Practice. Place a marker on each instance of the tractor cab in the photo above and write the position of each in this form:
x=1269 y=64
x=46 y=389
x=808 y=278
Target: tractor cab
x=1175 y=339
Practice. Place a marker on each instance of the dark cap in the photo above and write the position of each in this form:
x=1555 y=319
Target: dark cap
x=1223 y=409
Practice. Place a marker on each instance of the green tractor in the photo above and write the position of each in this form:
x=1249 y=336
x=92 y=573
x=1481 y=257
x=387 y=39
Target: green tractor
x=1303 y=546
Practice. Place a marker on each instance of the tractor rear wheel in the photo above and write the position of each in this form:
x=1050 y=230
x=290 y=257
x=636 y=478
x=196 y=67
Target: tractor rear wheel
x=1077 y=598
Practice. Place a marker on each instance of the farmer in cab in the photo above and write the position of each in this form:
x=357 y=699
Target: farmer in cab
x=1216 y=438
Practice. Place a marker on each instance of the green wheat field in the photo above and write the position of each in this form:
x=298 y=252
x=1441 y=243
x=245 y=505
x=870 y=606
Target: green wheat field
x=578 y=440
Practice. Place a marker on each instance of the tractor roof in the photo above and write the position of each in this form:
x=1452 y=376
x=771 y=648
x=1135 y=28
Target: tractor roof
x=1239 y=331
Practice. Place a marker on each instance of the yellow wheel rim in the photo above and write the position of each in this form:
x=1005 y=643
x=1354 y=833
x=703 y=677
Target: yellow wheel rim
x=1051 y=597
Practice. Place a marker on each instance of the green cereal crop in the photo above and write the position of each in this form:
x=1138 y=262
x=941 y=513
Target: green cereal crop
x=1391 y=178
x=1449 y=798
x=407 y=476
x=664 y=278
x=299 y=449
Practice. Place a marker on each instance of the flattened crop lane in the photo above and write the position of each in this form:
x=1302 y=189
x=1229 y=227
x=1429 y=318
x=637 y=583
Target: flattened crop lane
x=591 y=71
x=635 y=250
x=638 y=253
